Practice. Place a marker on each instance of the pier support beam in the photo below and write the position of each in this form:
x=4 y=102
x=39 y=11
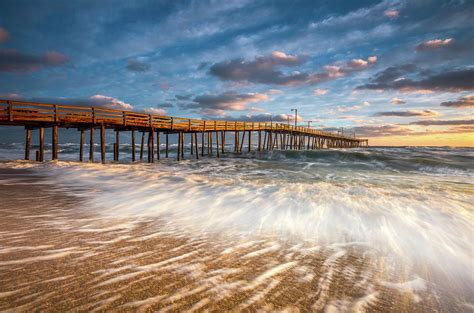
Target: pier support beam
x=91 y=145
x=55 y=142
x=166 y=144
x=217 y=144
x=196 y=145
x=142 y=144
x=41 y=144
x=27 y=144
x=102 y=144
x=81 y=146
x=179 y=147
x=250 y=139
x=133 y=145
x=158 y=146
x=117 y=146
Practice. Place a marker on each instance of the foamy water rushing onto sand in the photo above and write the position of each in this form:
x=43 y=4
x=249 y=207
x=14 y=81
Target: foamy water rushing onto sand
x=346 y=228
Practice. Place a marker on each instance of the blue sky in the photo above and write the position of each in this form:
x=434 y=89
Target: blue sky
x=380 y=67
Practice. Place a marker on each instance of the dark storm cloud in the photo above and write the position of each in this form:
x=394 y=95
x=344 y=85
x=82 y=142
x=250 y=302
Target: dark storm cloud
x=137 y=66
x=463 y=102
x=443 y=122
x=394 y=78
x=407 y=113
x=12 y=60
x=265 y=70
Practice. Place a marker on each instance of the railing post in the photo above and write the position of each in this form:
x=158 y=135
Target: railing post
x=93 y=115
x=149 y=120
x=124 y=116
x=55 y=113
x=171 y=123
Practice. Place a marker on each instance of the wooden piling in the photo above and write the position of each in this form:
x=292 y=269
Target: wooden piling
x=102 y=143
x=81 y=146
x=217 y=144
x=54 y=133
x=166 y=144
x=196 y=145
x=41 y=144
x=242 y=141
x=250 y=140
x=27 y=144
x=152 y=145
x=223 y=140
x=117 y=145
x=91 y=145
x=133 y=145
x=179 y=147
x=142 y=145
x=158 y=146
x=182 y=145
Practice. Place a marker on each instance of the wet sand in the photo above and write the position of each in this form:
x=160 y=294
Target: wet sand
x=56 y=257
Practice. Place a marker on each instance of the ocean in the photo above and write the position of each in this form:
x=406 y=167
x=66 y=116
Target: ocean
x=387 y=229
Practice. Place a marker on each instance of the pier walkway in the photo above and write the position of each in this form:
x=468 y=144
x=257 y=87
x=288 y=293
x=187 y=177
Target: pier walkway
x=269 y=135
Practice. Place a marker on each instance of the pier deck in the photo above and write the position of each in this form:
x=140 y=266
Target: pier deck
x=39 y=116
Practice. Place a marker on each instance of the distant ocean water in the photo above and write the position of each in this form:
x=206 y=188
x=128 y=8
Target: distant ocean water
x=410 y=208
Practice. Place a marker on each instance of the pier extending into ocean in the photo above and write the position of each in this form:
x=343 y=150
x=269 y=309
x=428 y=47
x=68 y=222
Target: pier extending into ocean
x=205 y=137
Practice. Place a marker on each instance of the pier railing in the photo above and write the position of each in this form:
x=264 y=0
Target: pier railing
x=30 y=113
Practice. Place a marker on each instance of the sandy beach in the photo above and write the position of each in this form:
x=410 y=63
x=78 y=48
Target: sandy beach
x=55 y=257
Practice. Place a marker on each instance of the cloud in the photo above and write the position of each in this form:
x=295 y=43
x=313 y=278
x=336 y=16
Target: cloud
x=396 y=100
x=377 y=130
x=409 y=113
x=227 y=101
x=12 y=60
x=155 y=111
x=434 y=44
x=392 y=13
x=183 y=97
x=353 y=108
x=11 y=96
x=110 y=102
x=137 y=66
x=3 y=35
x=265 y=70
x=319 y=92
x=266 y=117
x=274 y=91
x=443 y=122
x=92 y=101
x=394 y=78
x=463 y=102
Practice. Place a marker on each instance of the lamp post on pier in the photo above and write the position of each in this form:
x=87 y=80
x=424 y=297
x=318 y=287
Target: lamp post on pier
x=296 y=115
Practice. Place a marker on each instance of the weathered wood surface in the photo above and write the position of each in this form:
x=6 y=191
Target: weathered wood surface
x=276 y=135
x=34 y=114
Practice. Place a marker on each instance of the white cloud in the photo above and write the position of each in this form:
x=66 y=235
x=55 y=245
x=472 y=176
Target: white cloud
x=396 y=100
x=319 y=92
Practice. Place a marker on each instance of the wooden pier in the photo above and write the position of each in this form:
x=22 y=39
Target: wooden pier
x=205 y=137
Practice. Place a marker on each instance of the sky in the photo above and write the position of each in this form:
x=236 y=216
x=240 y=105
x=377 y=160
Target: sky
x=396 y=72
